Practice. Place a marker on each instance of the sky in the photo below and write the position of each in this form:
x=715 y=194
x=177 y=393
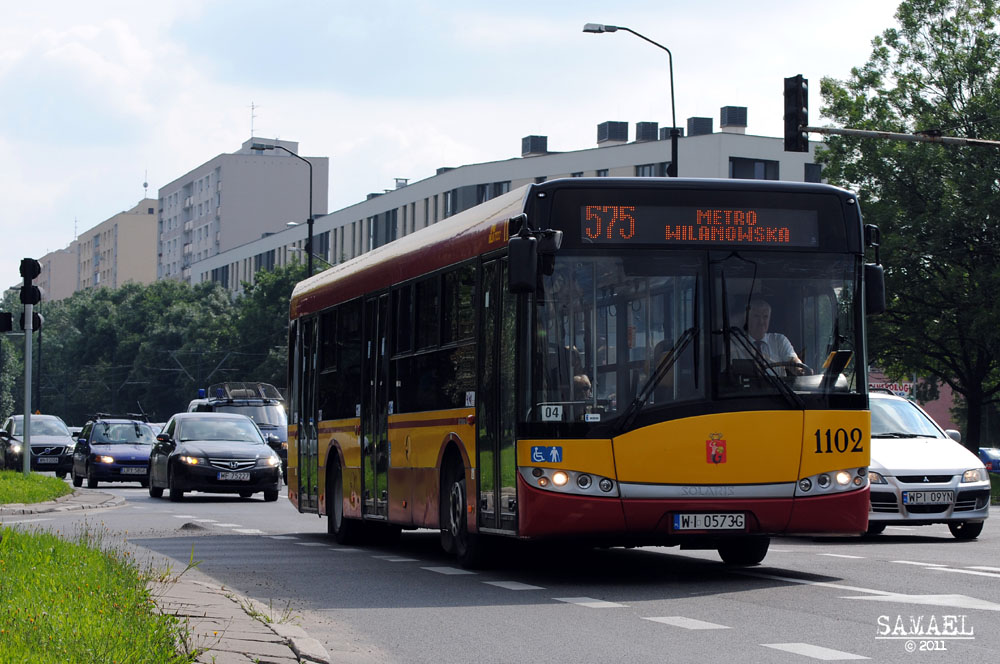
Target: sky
x=103 y=102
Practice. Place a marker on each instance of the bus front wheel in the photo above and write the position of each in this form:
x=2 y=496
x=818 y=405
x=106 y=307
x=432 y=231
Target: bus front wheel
x=455 y=535
x=744 y=550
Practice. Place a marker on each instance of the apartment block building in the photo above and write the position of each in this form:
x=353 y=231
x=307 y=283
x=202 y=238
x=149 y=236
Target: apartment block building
x=234 y=199
x=116 y=251
x=407 y=207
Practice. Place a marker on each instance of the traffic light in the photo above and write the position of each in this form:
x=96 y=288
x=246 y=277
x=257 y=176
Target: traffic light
x=6 y=321
x=30 y=268
x=796 y=114
x=36 y=321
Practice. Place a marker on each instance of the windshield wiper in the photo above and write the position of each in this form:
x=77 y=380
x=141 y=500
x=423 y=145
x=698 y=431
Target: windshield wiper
x=900 y=434
x=665 y=364
x=765 y=369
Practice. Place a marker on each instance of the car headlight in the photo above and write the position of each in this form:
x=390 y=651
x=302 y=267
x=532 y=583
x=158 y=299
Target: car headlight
x=875 y=478
x=974 y=475
x=272 y=460
x=15 y=448
x=190 y=460
x=105 y=459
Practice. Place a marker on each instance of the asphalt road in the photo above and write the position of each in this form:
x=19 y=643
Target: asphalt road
x=909 y=595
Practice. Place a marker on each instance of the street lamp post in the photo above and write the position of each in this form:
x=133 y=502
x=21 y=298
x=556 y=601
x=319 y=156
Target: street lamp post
x=309 y=222
x=675 y=133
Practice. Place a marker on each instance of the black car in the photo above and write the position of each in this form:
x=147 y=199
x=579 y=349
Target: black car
x=113 y=449
x=51 y=444
x=261 y=402
x=214 y=453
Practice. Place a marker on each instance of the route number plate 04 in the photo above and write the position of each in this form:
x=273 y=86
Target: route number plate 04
x=928 y=497
x=237 y=477
x=716 y=521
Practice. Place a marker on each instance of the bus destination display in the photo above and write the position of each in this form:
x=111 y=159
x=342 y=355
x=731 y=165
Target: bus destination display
x=762 y=227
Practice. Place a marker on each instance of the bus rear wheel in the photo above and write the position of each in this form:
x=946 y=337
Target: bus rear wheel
x=744 y=550
x=342 y=529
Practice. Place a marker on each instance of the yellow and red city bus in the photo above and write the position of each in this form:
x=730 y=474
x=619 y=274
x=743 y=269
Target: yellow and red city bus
x=577 y=359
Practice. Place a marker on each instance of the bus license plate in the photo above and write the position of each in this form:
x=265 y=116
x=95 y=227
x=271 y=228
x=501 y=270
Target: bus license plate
x=138 y=470
x=236 y=477
x=717 y=521
x=48 y=459
x=928 y=497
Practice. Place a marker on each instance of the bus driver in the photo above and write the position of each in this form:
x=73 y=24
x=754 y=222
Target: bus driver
x=772 y=347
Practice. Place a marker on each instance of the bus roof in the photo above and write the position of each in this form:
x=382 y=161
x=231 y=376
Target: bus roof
x=467 y=234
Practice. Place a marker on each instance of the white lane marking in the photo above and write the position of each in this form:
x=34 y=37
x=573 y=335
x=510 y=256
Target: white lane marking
x=282 y=537
x=24 y=521
x=447 y=570
x=205 y=521
x=513 y=585
x=966 y=571
x=396 y=559
x=954 y=601
x=590 y=602
x=986 y=569
x=915 y=562
x=311 y=544
x=824 y=584
x=229 y=525
x=249 y=531
x=687 y=623
x=183 y=516
x=840 y=555
x=816 y=652
x=773 y=550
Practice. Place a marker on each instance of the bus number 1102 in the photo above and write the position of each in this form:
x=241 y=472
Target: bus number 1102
x=839 y=440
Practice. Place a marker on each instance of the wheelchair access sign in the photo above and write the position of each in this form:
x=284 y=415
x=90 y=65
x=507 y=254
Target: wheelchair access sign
x=544 y=454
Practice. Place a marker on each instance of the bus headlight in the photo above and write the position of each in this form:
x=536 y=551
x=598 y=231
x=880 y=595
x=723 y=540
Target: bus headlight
x=559 y=478
x=805 y=484
x=843 y=478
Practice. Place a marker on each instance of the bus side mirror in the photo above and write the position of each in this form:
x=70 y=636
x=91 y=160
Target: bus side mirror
x=874 y=289
x=522 y=264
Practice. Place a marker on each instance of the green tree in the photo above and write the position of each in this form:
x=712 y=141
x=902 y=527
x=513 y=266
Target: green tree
x=937 y=206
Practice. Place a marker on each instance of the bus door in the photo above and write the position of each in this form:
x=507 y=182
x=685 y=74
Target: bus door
x=308 y=429
x=374 y=410
x=495 y=411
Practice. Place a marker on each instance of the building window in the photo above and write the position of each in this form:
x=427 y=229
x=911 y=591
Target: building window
x=540 y=179
x=645 y=170
x=752 y=169
x=813 y=173
x=578 y=174
x=601 y=173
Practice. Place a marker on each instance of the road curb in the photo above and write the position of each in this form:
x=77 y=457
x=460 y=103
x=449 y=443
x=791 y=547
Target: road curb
x=306 y=648
x=78 y=500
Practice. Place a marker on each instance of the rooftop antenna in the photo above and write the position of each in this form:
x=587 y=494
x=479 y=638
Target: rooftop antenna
x=75 y=235
x=145 y=183
x=253 y=107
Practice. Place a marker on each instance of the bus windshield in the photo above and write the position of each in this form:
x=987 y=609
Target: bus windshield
x=644 y=329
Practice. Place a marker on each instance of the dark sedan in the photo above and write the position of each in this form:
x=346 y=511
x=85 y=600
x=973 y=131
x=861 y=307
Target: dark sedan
x=213 y=453
x=112 y=450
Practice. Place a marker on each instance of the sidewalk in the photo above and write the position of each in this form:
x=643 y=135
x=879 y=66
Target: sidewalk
x=228 y=627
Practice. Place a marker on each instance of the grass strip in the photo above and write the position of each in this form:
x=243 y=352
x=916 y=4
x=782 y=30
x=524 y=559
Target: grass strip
x=70 y=601
x=995 y=488
x=35 y=488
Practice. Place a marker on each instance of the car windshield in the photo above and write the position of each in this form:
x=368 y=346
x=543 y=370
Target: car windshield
x=898 y=418
x=242 y=430
x=263 y=414
x=122 y=433
x=40 y=427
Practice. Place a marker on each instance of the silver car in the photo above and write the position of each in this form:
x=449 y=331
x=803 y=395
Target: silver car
x=920 y=474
